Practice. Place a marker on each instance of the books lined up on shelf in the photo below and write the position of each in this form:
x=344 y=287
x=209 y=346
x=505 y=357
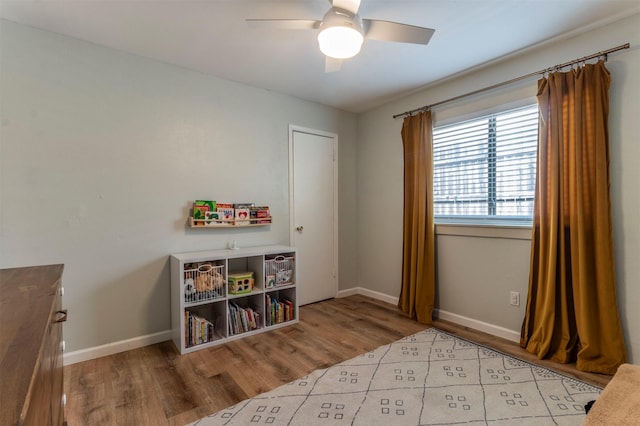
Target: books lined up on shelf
x=260 y=214
x=212 y=213
x=197 y=330
x=242 y=319
x=278 y=311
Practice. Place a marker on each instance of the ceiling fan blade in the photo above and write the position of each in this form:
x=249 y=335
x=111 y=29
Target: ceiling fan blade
x=332 y=64
x=349 y=5
x=285 y=24
x=393 y=31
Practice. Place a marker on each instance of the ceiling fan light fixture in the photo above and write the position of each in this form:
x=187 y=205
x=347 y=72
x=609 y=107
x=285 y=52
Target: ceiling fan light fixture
x=340 y=42
x=341 y=34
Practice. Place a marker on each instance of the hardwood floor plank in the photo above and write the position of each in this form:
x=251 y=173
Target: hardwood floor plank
x=155 y=385
x=136 y=402
x=176 y=394
x=88 y=392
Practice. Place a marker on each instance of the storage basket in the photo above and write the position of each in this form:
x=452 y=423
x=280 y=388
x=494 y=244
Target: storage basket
x=278 y=271
x=203 y=283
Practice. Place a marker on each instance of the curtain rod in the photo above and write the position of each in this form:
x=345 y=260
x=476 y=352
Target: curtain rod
x=513 y=80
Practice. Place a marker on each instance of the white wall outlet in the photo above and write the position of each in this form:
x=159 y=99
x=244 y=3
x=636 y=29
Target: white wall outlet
x=515 y=298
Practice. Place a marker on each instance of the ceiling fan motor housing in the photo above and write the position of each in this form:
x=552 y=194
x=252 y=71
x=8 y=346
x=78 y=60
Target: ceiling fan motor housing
x=337 y=17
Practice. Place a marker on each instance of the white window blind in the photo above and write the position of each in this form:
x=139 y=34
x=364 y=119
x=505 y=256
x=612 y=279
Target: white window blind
x=485 y=168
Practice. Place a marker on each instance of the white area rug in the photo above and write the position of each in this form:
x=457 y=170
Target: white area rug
x=430 y=378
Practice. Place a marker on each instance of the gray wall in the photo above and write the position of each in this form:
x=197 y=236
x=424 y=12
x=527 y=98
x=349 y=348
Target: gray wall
x=476 y=273
x=102 y=155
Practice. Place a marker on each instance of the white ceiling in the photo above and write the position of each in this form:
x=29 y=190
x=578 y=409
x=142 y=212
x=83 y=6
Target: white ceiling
x=211 y=36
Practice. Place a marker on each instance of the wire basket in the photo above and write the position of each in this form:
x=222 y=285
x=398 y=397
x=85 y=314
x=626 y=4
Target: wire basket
x=279 y=271
x=204 y=283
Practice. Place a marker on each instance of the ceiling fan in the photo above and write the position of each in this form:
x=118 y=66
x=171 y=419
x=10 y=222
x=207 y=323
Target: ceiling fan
x=342 y=31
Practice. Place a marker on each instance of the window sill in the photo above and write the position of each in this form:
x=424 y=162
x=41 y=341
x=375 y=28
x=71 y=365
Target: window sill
x=513 y=232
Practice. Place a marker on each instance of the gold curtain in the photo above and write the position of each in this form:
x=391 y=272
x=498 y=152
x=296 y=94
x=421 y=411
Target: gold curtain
x=418 y=248
x=571 y=313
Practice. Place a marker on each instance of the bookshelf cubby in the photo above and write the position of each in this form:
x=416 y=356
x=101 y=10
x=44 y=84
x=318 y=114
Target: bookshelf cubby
x=205 y=313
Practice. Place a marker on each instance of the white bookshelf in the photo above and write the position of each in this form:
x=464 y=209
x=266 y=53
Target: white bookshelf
x=196 y=289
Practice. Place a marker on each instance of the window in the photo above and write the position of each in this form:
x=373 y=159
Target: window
x=485 y=169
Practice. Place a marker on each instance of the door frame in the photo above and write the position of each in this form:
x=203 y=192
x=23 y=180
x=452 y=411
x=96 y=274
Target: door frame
x=292 y=225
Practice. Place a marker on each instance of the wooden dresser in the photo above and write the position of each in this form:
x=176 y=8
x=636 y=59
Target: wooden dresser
x=31 y=317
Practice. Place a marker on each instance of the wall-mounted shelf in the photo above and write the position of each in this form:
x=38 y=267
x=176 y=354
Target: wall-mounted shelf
x=213 y=214
x=229 y=223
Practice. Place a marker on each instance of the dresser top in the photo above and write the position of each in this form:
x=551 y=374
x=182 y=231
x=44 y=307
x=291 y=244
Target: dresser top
x=27 y=298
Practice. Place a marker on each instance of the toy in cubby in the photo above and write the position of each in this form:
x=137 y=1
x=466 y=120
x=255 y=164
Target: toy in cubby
x=240 y=283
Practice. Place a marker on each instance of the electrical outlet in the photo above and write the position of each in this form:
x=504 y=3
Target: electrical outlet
x=515 y=298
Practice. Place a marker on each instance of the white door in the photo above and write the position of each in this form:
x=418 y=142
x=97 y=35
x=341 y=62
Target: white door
x=314 y=207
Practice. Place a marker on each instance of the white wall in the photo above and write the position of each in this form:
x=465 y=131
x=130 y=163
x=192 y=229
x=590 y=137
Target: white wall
x=102 y=155
x=475 y=274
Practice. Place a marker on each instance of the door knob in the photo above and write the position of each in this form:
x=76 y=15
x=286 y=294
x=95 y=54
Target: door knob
x=299 y=228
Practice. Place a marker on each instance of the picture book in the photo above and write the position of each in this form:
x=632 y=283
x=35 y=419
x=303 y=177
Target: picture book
x=242 y=216
x=243 y=205
x=201 y=207
x=260 y=214
x=227 y=211
x=212 y=218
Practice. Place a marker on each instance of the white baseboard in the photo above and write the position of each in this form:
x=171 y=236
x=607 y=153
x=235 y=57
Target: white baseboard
x=150 y=339
x=494 y=330
x=163 y=336
x=116 y=347
x=348 y=292
x=370 y=293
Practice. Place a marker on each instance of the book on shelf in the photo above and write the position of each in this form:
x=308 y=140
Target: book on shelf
x=233 y=319
x=278 y=311
x=242 y=319
x=242 y=216
x=213 y=218
x=267 y=319
x=260 y=214
x=198 y=330
x=243 y=205
x=289 y=310
x=254 y=319
x=227 y=212
x=200 y=209
x=241 y=213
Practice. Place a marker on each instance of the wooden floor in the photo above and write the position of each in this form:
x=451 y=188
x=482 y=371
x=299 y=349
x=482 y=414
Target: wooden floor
x=154 y=385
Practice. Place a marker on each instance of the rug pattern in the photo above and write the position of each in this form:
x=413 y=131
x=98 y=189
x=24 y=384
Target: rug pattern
x=429 y=378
